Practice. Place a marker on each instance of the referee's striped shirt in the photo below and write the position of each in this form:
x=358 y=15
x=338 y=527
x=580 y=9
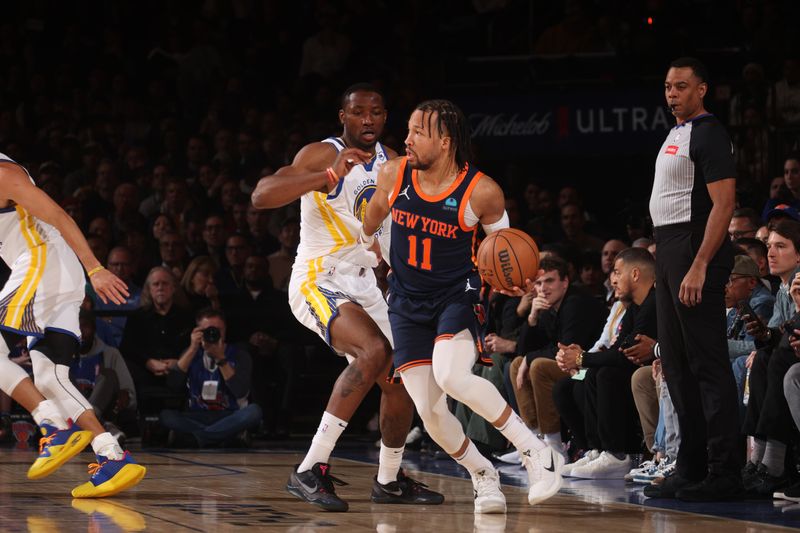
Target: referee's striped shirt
x=694 y=154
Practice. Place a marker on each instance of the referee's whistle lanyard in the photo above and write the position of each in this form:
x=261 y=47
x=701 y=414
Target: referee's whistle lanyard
x=685 y=122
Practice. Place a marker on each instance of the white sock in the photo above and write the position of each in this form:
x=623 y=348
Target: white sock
x=106 y=445
x=519 y=435
x=389 y=463
x=554 y=441
x=47 y=413
x=473 y=461
x=328 y=432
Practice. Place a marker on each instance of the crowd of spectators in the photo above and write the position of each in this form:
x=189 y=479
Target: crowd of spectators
x=150 y=123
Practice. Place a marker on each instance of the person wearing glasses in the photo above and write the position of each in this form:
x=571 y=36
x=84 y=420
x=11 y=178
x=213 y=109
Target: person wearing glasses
x=744 y=223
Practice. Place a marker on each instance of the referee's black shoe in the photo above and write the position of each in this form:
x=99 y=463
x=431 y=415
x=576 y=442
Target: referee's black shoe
x=714 y=488
x=405 y=491
x=316 y=486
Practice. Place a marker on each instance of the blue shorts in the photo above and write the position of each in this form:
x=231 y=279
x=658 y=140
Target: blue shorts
x=418 y=323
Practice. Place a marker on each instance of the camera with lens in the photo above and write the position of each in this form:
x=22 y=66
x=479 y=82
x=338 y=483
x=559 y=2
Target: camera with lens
x=212 y=335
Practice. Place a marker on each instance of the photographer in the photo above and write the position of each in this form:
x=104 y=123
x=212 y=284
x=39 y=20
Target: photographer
x=217 y=377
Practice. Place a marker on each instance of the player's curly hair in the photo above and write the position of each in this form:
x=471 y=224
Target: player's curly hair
x=450 y=122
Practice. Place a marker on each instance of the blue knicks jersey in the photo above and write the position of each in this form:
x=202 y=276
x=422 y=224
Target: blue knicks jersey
x=432 y=249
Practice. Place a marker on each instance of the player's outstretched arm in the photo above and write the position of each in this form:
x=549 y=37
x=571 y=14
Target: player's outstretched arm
x=378 y=206
x=17 y=186
x=316 y=167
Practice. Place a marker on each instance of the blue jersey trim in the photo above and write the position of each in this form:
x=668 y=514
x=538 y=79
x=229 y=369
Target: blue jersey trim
x=337 y=143
x=8 y=209
x=337 y=190
x=693 y=119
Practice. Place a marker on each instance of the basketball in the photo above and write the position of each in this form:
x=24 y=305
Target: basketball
x=507 y=257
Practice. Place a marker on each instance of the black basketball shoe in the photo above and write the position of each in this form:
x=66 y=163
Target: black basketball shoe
x=404 y=491
x=316 y=486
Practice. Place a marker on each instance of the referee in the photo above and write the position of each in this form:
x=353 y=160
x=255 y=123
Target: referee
x=691 y=206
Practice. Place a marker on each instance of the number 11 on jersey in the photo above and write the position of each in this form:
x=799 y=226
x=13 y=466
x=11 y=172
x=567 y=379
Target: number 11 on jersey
x=426 y=252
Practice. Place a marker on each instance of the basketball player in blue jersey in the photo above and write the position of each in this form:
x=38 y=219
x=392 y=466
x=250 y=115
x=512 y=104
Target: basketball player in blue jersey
x=41 y=300
x=436 y=199
x=334 y=293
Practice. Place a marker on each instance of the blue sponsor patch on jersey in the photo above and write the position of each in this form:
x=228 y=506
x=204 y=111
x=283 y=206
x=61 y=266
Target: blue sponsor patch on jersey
x=451 y=202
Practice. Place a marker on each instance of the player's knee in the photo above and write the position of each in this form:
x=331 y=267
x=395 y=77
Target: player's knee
x=374 y=356
x=451 y=380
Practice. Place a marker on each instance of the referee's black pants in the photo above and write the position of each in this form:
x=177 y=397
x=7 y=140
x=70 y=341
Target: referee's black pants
x=694 y=354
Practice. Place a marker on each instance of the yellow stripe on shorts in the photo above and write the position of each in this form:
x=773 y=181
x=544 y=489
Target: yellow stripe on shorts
x=26 y=290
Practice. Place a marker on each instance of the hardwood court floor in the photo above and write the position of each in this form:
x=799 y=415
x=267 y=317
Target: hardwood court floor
x=221 y=492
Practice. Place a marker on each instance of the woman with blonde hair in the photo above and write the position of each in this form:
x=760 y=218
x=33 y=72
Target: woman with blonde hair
x=198 y=284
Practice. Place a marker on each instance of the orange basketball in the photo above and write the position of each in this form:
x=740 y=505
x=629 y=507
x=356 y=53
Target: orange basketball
x=507 y=257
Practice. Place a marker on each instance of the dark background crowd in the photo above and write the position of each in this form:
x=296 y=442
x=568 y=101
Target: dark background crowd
x=151 y=122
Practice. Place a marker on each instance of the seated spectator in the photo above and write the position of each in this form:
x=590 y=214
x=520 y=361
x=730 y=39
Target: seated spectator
x=744 y=286
x=214 y=236
x=198 y=284
x=172 y=249
x=115 y=316
x=744 y=223
x=757 y=250
x=230 y=277
x=791 y=178
x=155 y=336
x=280 y=262
x=100 y=373
x=216 y=376
x=766 y=418
x=609 y=407
x=591 y=276
x=607 y=257
x=559 y=313
x=573 y=222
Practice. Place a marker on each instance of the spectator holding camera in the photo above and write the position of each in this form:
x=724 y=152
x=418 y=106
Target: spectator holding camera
x=216 y=376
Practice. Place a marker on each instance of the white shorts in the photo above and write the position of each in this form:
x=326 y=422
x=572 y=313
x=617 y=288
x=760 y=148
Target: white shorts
x=44 y=291
x=318 y=287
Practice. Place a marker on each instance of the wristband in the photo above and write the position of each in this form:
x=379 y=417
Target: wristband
x=579 y=360
x=95 y=270
x=366 y=240
x=333 y=177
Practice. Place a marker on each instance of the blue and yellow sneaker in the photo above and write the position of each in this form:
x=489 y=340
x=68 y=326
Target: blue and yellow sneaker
x=110 y=476
x=56 y=447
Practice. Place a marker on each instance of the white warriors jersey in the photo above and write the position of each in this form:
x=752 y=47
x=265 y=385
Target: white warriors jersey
x=330 y=223
x=21 y=232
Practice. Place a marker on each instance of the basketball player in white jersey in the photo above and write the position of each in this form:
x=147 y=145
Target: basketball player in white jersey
x=333 y=292
x=41 y=300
